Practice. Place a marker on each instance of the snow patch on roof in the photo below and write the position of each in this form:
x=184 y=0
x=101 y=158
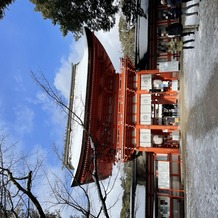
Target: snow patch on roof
x=79 y=98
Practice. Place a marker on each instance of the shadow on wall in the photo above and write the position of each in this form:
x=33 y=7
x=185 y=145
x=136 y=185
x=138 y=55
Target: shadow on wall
x=141 y=169
x=143 y=63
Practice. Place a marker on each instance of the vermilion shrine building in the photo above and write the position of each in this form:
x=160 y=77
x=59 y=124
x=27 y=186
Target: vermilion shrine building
x=124 y=113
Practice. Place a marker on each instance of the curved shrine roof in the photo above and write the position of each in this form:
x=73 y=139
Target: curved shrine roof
x=77 y=149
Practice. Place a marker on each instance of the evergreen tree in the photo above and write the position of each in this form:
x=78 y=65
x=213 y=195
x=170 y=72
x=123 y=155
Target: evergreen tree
x=131 y=10
x=72 y=15
x=127 y=38
x=3 y=6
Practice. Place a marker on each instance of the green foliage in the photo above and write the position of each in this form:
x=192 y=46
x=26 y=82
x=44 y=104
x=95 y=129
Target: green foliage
x=72 y=15
x=3 y=6
x=126 y=183
x=127 y=38
x=131 y=10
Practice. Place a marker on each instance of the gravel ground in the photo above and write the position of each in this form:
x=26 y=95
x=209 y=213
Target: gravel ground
x=199 y=114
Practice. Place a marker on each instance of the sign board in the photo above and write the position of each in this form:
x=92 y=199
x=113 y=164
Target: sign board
x=145 y=138
x=163 y=174
x=145 y=109
x=146 y=82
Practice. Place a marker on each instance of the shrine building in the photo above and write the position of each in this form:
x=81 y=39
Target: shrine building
x=93 y=108
x=126 y=112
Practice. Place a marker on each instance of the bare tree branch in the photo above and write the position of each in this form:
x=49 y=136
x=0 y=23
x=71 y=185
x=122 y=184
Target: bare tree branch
x=13 y=194
x=26 y=191
x=45 y=86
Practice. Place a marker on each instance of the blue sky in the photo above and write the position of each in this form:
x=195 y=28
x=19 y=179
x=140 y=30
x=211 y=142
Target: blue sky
x=28 y=42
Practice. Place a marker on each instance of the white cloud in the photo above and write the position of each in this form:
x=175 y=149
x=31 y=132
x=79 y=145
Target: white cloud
x=63 y=76
x=24 y=120
x=54 y=177
x=57 y=117
x=110 y=41
x=20 y=86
